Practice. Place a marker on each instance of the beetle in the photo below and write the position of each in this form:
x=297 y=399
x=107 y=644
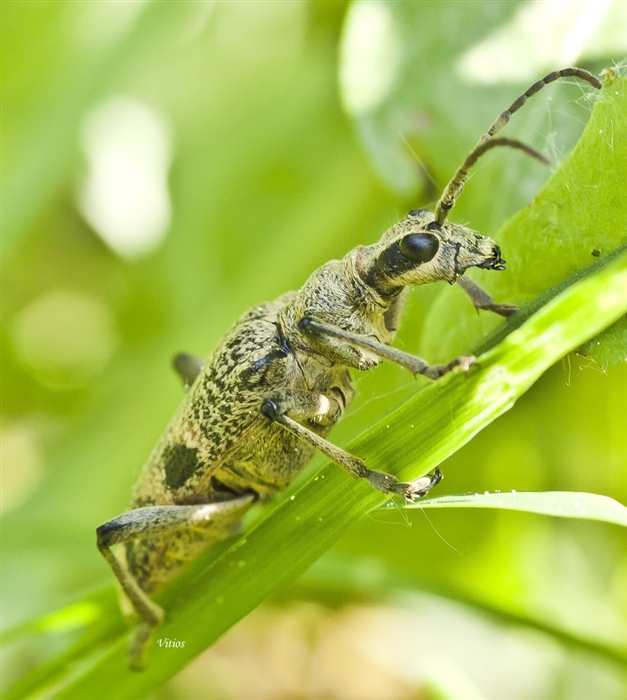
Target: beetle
x=257 y=410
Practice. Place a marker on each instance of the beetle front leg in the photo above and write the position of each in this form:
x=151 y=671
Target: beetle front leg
x=297 y=403
x=416 y=365
x=482 y=300
x=142 y=523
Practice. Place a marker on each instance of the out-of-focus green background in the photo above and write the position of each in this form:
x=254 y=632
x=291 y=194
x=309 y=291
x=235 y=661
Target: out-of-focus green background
x=165 y=166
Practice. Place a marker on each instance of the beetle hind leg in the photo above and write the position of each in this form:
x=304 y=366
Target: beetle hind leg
x=151 y=521
x=139 y=645
x=188 y=367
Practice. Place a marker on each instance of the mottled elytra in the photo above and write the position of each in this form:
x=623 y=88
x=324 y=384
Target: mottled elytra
x=266 y=398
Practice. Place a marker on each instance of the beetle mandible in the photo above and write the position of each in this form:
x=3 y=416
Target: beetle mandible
x=265 y=400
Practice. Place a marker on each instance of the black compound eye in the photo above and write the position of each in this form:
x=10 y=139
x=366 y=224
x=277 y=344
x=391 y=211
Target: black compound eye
x=419 y=247
x=417 y=212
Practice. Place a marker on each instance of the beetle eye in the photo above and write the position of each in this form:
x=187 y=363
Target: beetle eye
x=416 y=212
x=419 y=247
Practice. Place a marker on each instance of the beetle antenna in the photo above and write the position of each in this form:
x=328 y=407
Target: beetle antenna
x=455 y=186
x=536 y=87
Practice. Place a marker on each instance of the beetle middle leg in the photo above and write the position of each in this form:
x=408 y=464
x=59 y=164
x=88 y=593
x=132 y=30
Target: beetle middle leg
x=482 y=300
x=143 y=523
x=289 y=407
x=187 y=367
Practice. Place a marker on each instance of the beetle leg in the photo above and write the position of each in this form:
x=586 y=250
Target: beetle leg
x=416 y=365
x=277 y=409
x=187 y=367
x=482 y=300
x=142 y=523
x=303 y=406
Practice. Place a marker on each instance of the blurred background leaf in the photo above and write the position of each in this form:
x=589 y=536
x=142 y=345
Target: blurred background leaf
x=228 y=115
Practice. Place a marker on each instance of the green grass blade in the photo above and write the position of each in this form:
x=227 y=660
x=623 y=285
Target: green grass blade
x=560 y=504
x=218 y=591
x=74 y=616
x=97 y=616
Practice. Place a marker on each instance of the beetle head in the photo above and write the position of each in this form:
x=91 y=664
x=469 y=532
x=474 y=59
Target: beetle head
x=418 y=251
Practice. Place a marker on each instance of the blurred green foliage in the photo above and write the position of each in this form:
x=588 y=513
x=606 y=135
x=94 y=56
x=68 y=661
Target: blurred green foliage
x=267 y=181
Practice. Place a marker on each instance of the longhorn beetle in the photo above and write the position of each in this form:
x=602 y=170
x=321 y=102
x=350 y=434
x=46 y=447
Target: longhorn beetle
x=267 y=397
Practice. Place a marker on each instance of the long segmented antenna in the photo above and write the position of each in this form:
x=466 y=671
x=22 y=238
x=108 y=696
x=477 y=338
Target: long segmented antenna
x=456 y=185
x=487 y=141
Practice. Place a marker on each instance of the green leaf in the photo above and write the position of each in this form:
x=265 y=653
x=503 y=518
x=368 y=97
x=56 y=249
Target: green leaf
x=401 y=117
x=420 y=101
x=581 y=209
x=416 y=130
x=223 y=587
x=560 y=504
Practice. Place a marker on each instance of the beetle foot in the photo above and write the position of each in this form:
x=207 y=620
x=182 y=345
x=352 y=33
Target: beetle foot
x=413 y=490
